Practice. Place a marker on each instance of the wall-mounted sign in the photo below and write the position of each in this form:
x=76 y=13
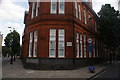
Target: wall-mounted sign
x=69 y=43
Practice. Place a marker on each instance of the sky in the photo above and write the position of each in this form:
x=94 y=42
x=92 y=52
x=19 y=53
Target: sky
x=12 y=14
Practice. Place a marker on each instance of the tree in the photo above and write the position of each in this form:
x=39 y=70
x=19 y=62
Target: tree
x=12 y=41
x=108 y=21
x=109 y=26
x=5 y=51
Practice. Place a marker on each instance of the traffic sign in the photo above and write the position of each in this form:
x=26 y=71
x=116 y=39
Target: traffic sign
x=89 y=40
x=90 y=48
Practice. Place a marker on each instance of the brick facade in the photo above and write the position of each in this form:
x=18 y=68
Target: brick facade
x=72 y=23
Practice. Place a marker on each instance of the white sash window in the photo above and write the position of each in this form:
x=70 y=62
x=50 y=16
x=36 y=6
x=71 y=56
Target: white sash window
x=61 y=7
x=85 y=20
x=77 y=44
x=61 y=43
x=52 y=43
x=84 y=45
x=35 y=43
x=81 y=51
x=30 y=45
x=37 y=7
x=53 y=6
x=33 y=8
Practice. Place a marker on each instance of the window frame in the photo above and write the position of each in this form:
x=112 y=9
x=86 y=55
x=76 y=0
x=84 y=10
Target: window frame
x=76 y=9
x=81 y=45
x=62 y=1
x=30 y=44
x=85 y=46
x=33 y=9
x=37 y=7
x=53 y=2
x=53 y=43
x=77 y=45
x=89 y=20
x=85 y=17
x=35 y=43
x=80 y=16
x=61 y=41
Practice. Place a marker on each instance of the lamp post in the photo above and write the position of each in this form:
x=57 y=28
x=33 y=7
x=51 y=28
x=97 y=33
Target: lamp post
x=11 y=61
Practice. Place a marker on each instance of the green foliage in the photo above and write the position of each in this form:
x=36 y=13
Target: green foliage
x=5 y=51
x=109 y=25
x=12 y=41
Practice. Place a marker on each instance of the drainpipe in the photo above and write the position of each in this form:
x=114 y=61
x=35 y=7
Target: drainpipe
x=73 y=35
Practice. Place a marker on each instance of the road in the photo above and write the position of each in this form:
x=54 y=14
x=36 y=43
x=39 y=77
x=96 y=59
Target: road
x=111 y=73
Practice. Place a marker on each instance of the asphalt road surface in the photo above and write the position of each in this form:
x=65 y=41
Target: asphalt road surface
x=113 y=73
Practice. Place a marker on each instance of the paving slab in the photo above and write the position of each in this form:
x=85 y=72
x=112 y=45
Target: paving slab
x=16 y=70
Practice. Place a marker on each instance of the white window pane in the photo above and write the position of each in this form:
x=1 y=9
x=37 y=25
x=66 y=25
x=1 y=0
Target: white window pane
x=81 y=45
x=37 y=7
x=31 y=35
x=61 y=52
x=30 y=50
x=61 y=38
x=35 y=43
x=52 y=38
x=33 y=7
x=35 y=34
x=61 y=6
x=61 y=43
x=84 y=45
x=85 y=17
x=30 y=44
x=89 y=20
x=79 y=12
x=52 y=43
x=35 y=49
x=77 y=44
x=53 y=6
x=52 y=52
x=76 y=8
x=77 y=49
x=52 y=32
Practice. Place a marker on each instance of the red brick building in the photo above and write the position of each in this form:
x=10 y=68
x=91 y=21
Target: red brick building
x=56 y=35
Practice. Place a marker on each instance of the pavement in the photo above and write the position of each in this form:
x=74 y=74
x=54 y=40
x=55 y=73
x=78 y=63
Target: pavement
x=16 y=70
